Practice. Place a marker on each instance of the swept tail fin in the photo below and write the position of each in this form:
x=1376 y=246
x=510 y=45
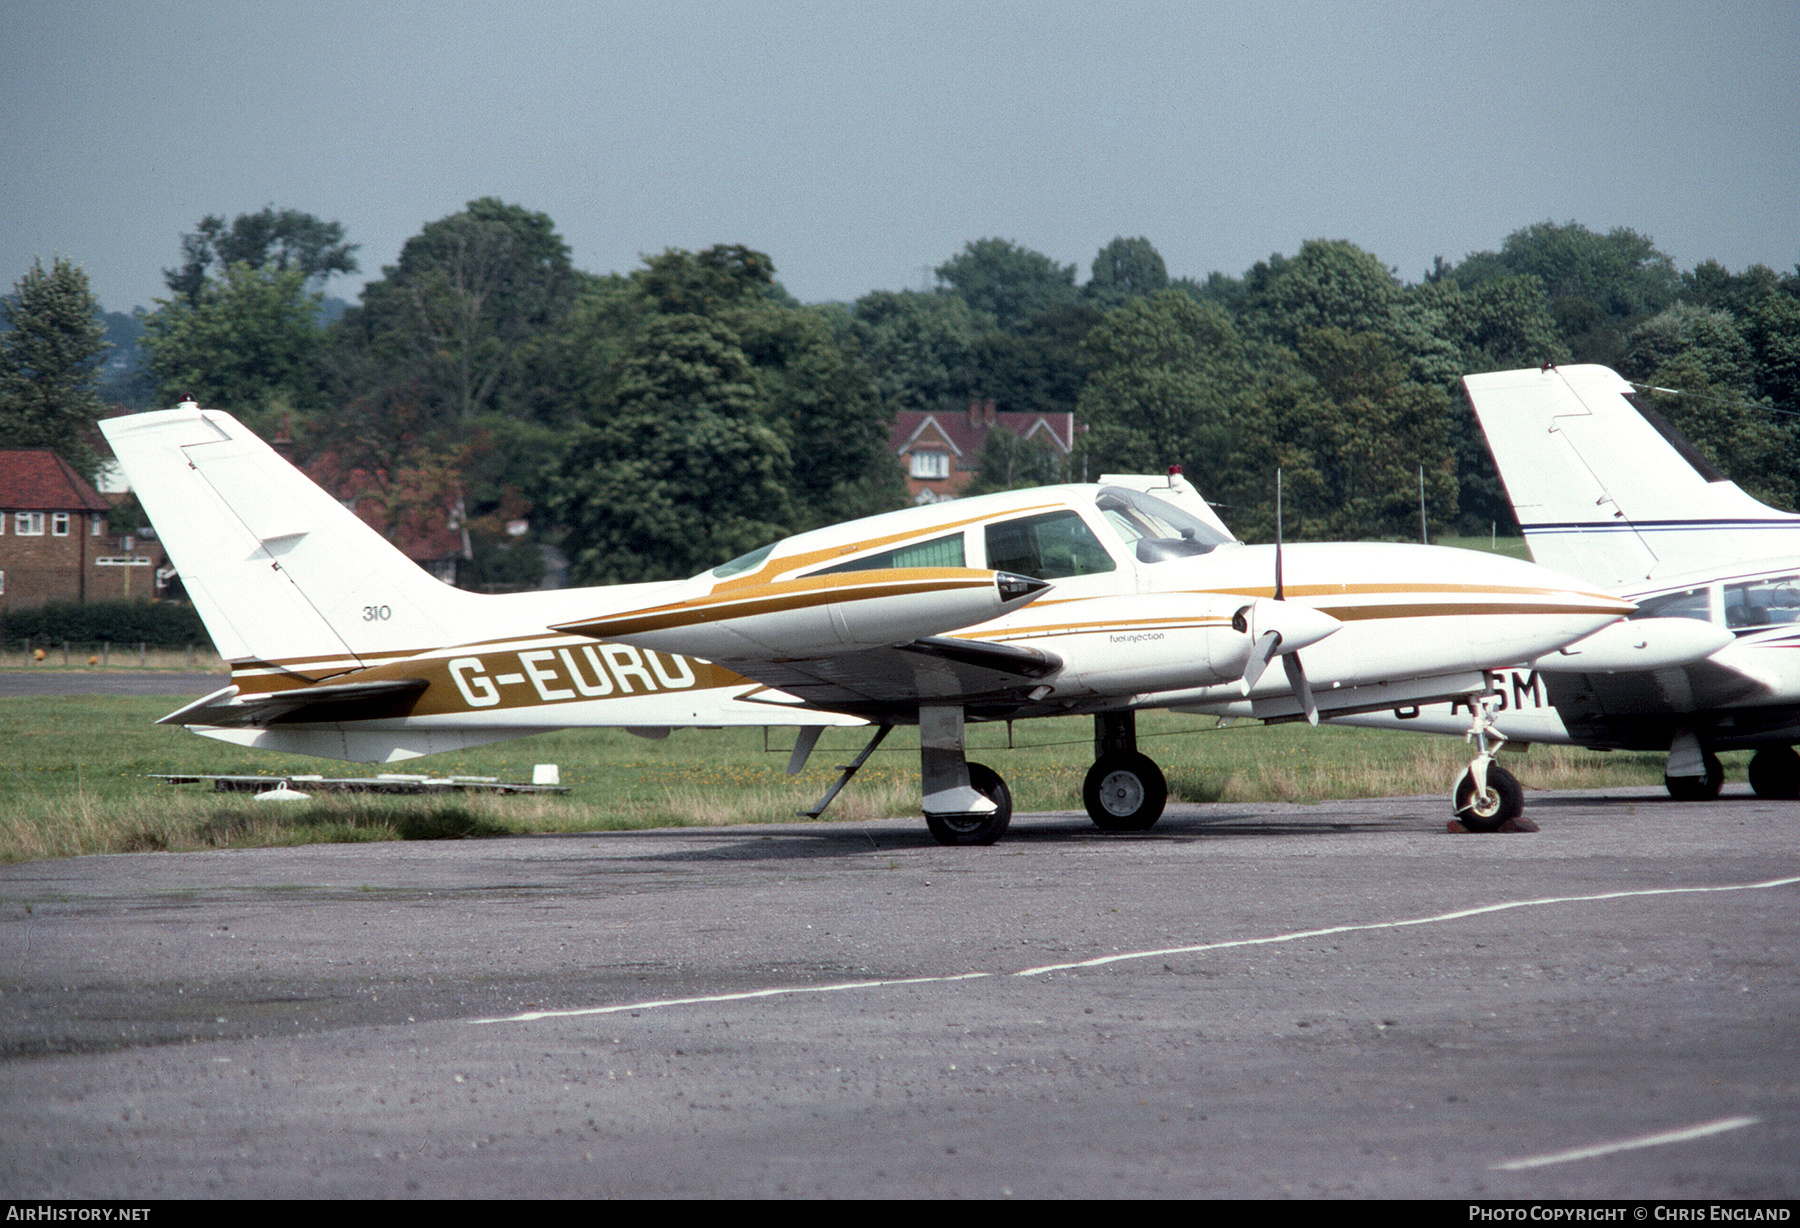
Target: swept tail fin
x=1606 y=489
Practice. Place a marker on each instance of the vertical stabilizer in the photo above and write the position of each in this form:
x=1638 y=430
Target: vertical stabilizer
x=1605 y=490
x=280 y=572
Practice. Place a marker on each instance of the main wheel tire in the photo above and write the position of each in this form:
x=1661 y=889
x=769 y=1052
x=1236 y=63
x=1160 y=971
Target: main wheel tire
x=1124 y=792
x=1775 y=772
x=1698 y=788
x=1503 y=801
x=976 y=828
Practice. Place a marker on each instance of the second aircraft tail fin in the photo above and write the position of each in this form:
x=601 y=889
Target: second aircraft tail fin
x=1606 y=489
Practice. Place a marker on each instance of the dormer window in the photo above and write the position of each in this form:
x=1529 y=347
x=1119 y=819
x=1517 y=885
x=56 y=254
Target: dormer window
x=930 y=466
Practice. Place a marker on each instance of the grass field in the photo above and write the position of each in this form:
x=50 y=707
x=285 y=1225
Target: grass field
x=74 y=777
x=1512 y=547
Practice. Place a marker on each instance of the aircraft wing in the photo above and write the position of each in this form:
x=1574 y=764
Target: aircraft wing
x=877 y=680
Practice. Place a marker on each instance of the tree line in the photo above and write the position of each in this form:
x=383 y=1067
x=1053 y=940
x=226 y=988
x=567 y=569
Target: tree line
x=655 y=423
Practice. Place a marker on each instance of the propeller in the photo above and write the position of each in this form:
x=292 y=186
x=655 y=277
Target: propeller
x=1282 y=628
x=1279 y=629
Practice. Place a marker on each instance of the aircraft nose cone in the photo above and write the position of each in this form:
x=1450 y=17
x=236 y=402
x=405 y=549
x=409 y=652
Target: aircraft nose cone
x=1298 y=626
x=1013 y=588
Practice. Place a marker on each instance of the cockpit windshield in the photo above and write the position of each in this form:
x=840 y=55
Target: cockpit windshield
x=1154 y=529
x=741 y=564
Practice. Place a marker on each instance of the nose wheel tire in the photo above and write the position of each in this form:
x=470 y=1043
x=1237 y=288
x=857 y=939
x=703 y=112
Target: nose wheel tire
x=1503 y=800
x=1124 y=792
x=976 y=828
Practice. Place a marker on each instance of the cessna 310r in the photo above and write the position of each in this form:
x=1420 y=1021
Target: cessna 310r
x=1606 y=489
x=1091 y=599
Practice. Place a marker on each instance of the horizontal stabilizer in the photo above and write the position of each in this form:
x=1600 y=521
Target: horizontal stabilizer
x=312 y=705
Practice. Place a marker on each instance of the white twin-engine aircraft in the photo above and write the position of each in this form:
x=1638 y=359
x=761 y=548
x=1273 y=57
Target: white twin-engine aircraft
x=1090 y=599
x=1606 y=489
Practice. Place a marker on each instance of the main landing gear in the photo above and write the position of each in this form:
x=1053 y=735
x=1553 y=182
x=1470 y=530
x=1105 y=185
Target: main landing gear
x=968 y=803
x=1124 y=790
x=1693 y=773
x=1486 y=795
x=965 y=803
x=1775 y=772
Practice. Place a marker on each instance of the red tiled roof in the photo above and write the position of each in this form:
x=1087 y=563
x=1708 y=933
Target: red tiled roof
x=37 y=479
x=426 y=526
x=964 y=435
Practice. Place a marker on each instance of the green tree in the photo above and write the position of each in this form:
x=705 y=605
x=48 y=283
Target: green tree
x=821 y=402
x=1745 y=441
x=1772 y=326
x=919 y=348
x=724 y=275
x=1352 y=437
x=1597 y=285
x=682 y=472
x=1125 y=269
x=1327 y=284
x=49 y=360
x=1709 y=339
x=251 y=344
x=1007 y=282
x=1042 y=367
x=1173 y=384
x=1008 y=462
x=474 y=297
x=1448 y=330
x=285 y=239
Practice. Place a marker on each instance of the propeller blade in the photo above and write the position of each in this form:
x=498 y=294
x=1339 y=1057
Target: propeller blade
x=1262 y=651
x=1302 y=688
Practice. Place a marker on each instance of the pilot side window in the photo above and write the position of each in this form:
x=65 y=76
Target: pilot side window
x=1689 y=603
x=1762 y=603
x=1052 y=546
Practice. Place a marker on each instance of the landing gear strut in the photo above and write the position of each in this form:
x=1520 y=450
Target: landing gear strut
x=1124 y=790
x=1487 y=795
x=1683 y=783
x=965 y=803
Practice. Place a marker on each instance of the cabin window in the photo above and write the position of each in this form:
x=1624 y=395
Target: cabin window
x=1689 y=603
x=938 y=552
x=1762 y=603
x=1052 y=546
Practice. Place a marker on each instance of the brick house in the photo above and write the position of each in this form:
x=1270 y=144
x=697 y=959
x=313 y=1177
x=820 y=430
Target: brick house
x=941 y=451
x=53 y=542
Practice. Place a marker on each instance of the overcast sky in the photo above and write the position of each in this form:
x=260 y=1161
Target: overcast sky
x=861 y=145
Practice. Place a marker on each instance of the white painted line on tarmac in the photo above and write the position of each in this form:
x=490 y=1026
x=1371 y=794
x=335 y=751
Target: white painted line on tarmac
x=1458 y=915
x=1295 y=936
x=1647 y=1140
x=532 y=1016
